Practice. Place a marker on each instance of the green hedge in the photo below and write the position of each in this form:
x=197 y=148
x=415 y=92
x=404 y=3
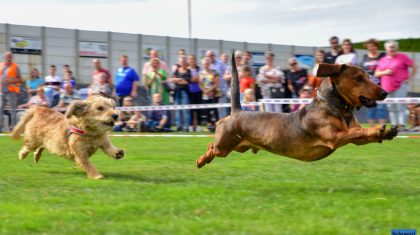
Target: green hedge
x=408 y=44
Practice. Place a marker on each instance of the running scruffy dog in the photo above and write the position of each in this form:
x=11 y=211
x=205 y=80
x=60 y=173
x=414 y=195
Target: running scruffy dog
x=76 y=135
x=311 y=133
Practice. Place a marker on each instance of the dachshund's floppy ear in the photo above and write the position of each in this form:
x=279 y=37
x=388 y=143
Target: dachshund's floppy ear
x=329 y=70
x=77 y=108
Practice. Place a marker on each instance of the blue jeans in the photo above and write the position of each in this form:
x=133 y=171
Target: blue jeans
x=377 y=113
x=182 y=117
x=397 y=112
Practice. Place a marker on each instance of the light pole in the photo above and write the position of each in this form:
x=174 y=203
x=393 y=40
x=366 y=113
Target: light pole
x=189 y=27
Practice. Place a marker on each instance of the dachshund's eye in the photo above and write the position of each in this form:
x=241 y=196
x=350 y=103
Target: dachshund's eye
x=100 y=108
x=359 y=79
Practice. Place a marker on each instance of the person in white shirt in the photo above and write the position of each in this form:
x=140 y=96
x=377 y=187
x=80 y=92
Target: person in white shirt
x=270 y=79
x=348 y=57
x=52 y=86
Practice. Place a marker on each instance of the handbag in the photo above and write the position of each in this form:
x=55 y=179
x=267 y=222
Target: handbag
x=277 y=92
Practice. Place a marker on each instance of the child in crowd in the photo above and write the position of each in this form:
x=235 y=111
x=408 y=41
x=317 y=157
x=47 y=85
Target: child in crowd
x=38 y=99
x=249 y=96
x=246 y=81
x=100 y=85
x=68 y=78
x=305 y=93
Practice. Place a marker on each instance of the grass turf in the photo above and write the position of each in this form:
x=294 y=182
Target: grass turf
x=156 y=189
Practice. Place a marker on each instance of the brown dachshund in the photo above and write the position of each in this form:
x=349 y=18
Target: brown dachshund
x=311 y=133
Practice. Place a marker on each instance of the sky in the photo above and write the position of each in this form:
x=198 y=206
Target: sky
x=290 y=22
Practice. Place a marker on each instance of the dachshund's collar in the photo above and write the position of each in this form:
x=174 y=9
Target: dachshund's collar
x=338 y=103
x=72 y=129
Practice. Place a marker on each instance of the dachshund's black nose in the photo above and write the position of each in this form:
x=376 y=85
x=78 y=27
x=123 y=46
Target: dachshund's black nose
x=384 y=94
x=115 y=116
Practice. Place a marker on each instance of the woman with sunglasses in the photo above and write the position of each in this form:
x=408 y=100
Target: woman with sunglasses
x=296 y=77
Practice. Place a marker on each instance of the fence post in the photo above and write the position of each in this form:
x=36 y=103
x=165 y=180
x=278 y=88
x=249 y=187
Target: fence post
x=7 y=37
x=43 y=52
x=110 y=53
x=76 y=53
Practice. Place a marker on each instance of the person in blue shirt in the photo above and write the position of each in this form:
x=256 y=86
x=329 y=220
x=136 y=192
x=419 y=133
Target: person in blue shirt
x=34 y=82
x=126 y=81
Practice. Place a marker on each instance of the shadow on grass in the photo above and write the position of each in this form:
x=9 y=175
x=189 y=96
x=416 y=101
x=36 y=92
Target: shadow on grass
x=122 y=176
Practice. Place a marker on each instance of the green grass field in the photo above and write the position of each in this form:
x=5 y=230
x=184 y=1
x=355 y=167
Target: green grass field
x=156 y=189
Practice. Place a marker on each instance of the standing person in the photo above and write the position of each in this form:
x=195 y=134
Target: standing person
x=369 y=64
x=348 y=56
x=228 y=73
x=334 y=52
x=126 y=81
x=52 y=86
x=34 y=82
x=97 y=74
x=195 y=92
x=155 y=79
x=297 y=77
x=182 y=78
x=270 y=79
x=10 y=81
x=147 y=67
x=224 y=58
x=315 y=81
x=209 y=84
x=393 y=69
x=180 y=53
x=220 y=68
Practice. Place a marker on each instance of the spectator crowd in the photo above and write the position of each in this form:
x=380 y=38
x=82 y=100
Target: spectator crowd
x=205 y=81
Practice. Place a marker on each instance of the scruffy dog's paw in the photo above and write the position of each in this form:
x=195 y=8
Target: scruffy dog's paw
x=119 y=154
x=96 y=177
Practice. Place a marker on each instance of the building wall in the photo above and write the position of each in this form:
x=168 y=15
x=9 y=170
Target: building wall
x=61 y=46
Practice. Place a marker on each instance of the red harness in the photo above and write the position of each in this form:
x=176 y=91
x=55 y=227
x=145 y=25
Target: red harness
x=75 y=130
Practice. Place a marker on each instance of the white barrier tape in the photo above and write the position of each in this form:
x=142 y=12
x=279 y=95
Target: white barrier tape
x=307 y=101
x=182 y=107
x=262 y=101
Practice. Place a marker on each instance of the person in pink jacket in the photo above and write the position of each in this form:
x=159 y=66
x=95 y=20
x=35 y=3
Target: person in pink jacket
x=393 y=69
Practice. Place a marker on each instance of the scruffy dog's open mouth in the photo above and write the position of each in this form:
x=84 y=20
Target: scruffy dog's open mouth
x=367 y=102
x=109 y=123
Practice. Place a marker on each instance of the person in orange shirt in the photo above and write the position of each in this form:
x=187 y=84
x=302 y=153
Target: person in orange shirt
x=315 y=81
x=246 y=81
x=10 y=81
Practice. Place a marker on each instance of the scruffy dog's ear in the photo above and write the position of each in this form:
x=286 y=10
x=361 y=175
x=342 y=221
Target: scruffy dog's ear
x=329 y=70
x=77 y=108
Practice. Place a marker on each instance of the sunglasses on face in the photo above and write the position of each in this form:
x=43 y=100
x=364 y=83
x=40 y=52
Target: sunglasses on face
x=334 y=42
x=293 y=64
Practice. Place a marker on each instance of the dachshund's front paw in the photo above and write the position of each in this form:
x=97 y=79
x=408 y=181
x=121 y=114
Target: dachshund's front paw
x=387 y=134
x=391 y=133
x=119 y=154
